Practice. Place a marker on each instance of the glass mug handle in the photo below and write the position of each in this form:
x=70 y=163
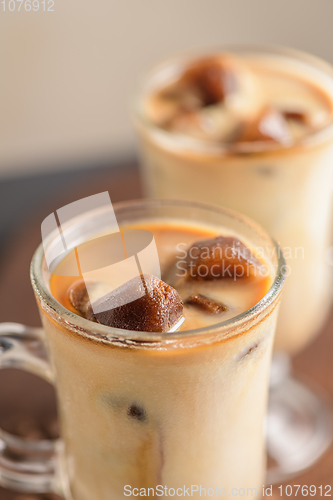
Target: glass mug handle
x=26 y=466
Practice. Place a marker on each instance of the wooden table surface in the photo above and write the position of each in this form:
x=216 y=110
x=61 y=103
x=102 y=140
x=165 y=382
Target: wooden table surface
x=25 y=398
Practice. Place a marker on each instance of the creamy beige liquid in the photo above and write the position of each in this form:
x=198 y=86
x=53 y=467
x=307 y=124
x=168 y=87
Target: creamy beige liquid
x=185 y=413
x=172 y=243
x=285 y=184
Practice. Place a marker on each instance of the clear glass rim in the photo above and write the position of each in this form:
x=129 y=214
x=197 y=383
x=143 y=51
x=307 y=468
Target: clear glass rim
x=100 y=332
x=215 y=148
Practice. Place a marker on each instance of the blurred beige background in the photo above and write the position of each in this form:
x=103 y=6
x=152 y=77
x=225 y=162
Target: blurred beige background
x=66 y=76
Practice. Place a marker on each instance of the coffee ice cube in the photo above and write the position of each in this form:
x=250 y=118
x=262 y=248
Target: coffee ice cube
x=82 y=293
x=269 y=126
x=158 y=307
x=297 y=115
x=168 y=104
x=230 y=94
x=212 y=123
x=188 y=121
x=214 y=77
x=79 y=298
x=220 y=257
x=209 y=100
x=205 y=304
x=302 y=122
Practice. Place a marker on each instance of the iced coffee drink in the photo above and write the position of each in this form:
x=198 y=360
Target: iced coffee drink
x=167 y=391
x=251 y=129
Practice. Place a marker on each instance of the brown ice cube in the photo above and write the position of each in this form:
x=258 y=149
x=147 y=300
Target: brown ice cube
x=214 y=123
x=79 y=299
x=309 y=111
x=220 y=257
x=269 y=126
x=301 y=122
x=227 y=82
x=163 y=107
x=209 y=101
x=187 y=121
x=205 y=304
x=214 y=77
x=158 y=308
x=296 y=115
